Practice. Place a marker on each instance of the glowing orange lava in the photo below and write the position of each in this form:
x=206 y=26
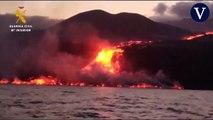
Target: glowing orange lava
x=4 y=81
x=104 y=57
x=192 y=37
x=42 y=80
x=133 y=42
x=177 y=87
x=144 y=85
x=105 y=60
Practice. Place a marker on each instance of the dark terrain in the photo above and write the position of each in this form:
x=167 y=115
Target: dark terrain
x=189 y=62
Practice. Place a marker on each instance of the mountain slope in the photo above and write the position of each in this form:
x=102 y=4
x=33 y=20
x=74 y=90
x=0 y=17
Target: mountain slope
x=188 y=23
x=125 y=26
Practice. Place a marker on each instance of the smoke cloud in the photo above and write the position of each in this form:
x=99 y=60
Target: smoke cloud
x=179 y=10
x=61 y=55
x=98 y=76
x=182 y=9
x=160 y=9
x=179 y=15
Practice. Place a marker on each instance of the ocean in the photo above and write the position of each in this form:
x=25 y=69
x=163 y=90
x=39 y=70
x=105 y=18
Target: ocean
x=66 y=102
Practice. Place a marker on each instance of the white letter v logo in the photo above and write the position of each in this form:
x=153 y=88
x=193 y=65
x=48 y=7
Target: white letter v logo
x=198 y=13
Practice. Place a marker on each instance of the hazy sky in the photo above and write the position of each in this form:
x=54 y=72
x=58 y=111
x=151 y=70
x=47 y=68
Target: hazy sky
x=66 y=9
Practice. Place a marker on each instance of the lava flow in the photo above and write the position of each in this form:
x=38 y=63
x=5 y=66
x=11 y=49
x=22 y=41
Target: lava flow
x=192 y=37
x=106 y=62
x=42 y=80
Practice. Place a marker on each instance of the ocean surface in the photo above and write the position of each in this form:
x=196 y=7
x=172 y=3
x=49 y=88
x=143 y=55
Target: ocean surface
x=65 y=102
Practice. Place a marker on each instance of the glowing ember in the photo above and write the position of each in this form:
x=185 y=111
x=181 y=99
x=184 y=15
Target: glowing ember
x=51 y=81
x=20 y=82
x=144 y=85
x=82 y=84
x=177 y=87
x=4 y=81
x=119 y=86
x=44 y=81
x=209 y=33
x=77 y=84
x=192 y=37
x=131 y=42
x=39 y=81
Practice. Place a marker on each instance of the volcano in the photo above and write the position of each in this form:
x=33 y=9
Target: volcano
x=125 y=26
x=102 y=49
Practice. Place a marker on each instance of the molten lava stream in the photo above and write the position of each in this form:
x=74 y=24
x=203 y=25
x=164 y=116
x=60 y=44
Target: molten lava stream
x=42 y=80
x=108 y=62
x=192 y=37
x=105 y=60
x=4 y=81
x=105 y=56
